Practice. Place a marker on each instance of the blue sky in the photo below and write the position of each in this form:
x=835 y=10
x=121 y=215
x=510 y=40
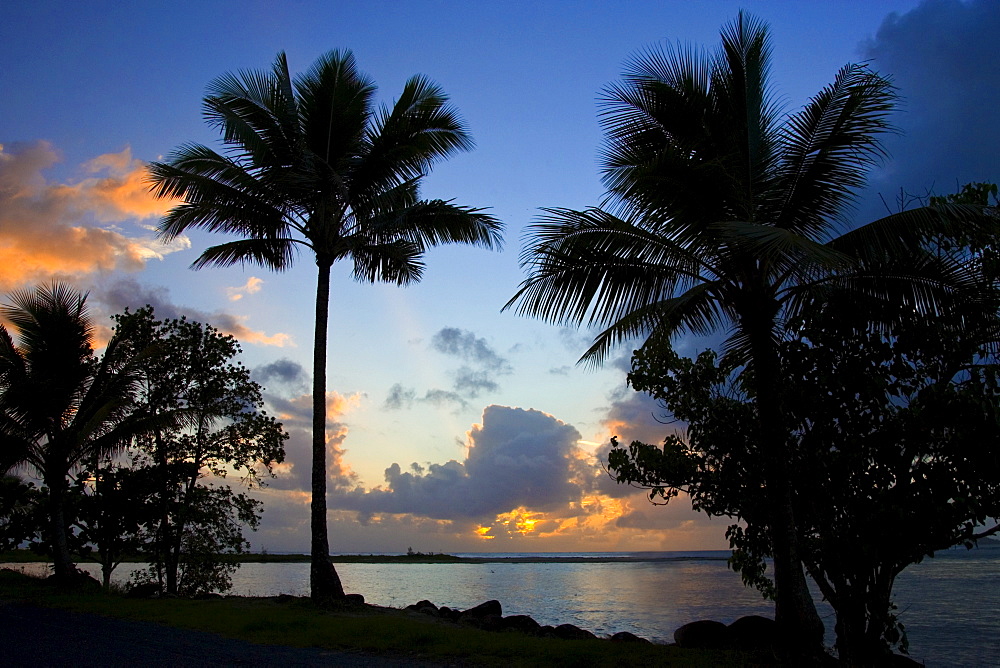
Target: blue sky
x=455 y=427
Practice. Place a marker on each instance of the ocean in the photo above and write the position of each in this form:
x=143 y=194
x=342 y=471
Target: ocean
x=950 y=604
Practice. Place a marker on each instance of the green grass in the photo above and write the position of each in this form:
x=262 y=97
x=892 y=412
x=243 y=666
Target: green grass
x=368 y=629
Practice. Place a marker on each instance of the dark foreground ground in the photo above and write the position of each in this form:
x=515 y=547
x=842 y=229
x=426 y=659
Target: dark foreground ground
x=33 y=636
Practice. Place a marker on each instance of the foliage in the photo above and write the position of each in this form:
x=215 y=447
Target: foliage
x=189 y=523
x=20 y=519
x=723 y=213
x=311 y=163
x=894 y=452
x=59 y=403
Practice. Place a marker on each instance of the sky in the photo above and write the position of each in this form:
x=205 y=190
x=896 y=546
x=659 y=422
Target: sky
x=454 y=427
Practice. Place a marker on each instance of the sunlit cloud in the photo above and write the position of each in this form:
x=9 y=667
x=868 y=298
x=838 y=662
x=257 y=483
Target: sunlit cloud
x=252 y=286
x=64 y=231
x=127 y=292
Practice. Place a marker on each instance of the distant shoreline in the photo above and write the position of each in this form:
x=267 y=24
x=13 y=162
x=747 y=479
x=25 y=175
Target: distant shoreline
x=26 y=556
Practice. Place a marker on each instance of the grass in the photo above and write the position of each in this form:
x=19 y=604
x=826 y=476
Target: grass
x=368 y=629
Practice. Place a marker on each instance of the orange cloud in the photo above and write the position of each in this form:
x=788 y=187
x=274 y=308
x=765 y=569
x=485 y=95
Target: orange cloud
x=252 y=286
x=49 y=229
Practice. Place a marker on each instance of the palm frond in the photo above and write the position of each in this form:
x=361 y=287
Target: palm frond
x=829 y=146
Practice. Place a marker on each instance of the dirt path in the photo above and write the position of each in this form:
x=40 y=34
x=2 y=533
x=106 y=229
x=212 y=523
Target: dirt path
x=33 y=636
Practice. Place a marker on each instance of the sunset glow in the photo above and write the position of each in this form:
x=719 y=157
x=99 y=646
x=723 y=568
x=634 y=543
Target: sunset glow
x=449 y=423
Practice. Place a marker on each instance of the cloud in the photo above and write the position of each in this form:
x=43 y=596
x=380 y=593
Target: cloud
x=467 y=346
x=515 y=458
x=61 y=230
x=284 y=373
x=252 y=286
x=403 y=397
x=128 y=292
x=295 y=414
x=472 y=382
x=399 y=397
x=942 y=57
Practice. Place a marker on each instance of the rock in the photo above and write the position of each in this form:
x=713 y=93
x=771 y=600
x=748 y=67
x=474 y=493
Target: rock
x=753 y=632
x=448 y=613
x=570 y=632
x=207 y=597
x=703 y=634
x=483 y=609
x=354 y=599
x=625 y=636
x=547 y=631
x=425 y=607
x=483 y=622
x=144 y=590
x=521 y=623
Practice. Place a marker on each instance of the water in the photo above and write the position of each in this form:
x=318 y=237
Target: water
x=950 y=604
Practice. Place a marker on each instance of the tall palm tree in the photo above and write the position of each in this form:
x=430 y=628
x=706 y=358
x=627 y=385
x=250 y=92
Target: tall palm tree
x=59 y=404
x=312 y=163
x=723 y=213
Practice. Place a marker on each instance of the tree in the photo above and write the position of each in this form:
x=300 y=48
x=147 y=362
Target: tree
x=893 y=444
x=111 y=507
x=59 y=404
x=311 y=163
x=722 y=213
x=224 y=431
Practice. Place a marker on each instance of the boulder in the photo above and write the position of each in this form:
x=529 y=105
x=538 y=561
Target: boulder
x=625 y=636
x=354 y=599
x=570 y=632
x=144 y=590
x=753 y=632
x=449 y=613
x=483 y=622
x=426 y=607
x=703 y=634
x=483 y=609
x=521 y=623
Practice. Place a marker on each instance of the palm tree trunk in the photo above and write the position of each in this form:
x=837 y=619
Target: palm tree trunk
x=62 y=560
x=324 y=583
x=794 y=608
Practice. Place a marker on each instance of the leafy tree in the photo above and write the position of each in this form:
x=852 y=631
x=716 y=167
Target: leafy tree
x=19 y=517
x=177 y=469
x=311 y=163
x=112 y=508
x=722 y=214
x=894 y=449
x=59 y=403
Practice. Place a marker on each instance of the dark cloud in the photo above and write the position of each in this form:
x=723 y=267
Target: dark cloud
x=399 y=397
x=442 y=398
x=284 y=372
x=942 y=57
x=477 y=376
x=471 y=382
x=467 y=346
x=516 y=458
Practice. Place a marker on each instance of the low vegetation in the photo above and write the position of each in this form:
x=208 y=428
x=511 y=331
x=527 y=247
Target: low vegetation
x=368 y=629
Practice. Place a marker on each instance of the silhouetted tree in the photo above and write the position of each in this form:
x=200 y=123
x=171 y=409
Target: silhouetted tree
x=311 y=163
x=59 y=403
x=722 y=213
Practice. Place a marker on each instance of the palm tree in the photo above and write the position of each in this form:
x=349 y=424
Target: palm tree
x=59 y=404
x=723 y=213
x=311 y=163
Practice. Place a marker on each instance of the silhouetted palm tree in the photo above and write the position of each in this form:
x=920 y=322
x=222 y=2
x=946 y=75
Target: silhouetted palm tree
x=59 y=404
x=723 y=213
x=312 y=163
